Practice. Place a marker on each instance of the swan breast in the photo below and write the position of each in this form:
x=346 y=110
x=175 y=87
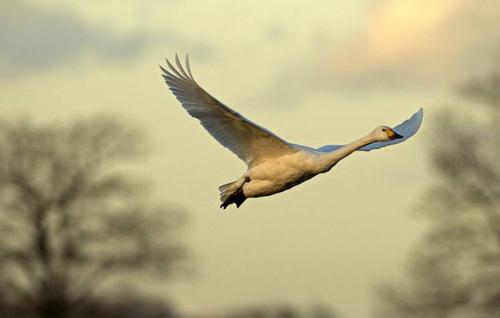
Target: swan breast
x=281 y=173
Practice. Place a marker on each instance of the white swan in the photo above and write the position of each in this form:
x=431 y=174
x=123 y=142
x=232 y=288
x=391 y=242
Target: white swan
x=274 y=165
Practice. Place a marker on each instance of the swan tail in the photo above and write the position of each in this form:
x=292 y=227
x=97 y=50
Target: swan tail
x=232 y=192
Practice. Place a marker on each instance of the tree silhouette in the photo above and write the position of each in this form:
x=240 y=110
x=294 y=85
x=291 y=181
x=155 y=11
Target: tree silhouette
x=455 y=271
x=72 y=218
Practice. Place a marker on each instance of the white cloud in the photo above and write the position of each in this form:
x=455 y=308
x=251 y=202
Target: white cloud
x=417 y=43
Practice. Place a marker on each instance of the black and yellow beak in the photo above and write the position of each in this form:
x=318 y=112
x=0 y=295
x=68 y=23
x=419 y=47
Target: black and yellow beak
x=393 y=135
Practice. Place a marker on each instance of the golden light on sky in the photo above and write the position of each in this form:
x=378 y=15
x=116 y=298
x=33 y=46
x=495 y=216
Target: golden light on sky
x=424 y=43
x=314 y=73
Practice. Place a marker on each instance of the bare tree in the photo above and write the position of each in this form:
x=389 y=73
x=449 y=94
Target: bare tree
x=71 y=218
x=455 y=271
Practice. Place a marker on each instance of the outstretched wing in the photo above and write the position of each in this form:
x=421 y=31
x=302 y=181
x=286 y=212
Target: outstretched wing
x=406 y=129
x=249 y=141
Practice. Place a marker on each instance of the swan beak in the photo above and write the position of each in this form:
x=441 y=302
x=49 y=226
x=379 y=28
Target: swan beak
x=394 y=135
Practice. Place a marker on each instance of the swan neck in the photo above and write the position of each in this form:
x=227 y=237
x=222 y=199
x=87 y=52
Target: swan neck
x=348 y=149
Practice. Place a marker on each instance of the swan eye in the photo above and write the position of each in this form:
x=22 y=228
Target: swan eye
x=383 y=129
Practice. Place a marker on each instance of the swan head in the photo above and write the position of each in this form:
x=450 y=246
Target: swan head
x=384 y=133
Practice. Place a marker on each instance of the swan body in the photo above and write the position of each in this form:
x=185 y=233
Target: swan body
x=273 y=165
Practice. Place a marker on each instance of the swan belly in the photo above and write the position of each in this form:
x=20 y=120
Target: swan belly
x=279 y=174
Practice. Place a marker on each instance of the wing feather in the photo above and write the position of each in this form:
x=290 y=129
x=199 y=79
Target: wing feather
x=249 y=141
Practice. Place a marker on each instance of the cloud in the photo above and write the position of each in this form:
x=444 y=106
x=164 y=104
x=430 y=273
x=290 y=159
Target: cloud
x=36 y=37
x=416 y=43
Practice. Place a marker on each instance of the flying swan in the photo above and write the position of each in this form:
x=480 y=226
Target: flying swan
x=273 y=164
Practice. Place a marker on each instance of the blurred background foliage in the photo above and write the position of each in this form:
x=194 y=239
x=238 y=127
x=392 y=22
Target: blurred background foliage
x=73 y=222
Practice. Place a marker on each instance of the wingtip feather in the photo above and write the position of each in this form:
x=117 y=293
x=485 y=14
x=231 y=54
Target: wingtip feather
x=179 y=66
x=188 y=68
x=180 y=72
x=173 y=69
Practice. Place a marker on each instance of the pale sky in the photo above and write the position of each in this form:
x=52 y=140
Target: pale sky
x=315 y=74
